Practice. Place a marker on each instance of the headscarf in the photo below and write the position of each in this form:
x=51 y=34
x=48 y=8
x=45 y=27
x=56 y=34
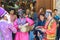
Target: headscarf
x=20 y=12
x=48 y=11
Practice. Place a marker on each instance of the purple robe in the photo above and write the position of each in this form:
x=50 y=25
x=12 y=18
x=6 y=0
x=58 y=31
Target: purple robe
x=6 y=30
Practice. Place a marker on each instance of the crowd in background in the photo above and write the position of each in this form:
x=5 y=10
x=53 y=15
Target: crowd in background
x=27 y=24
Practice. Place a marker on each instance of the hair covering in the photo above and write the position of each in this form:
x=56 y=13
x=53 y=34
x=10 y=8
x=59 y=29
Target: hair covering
x=2 y=12
x=48 y=11
x=20 y=12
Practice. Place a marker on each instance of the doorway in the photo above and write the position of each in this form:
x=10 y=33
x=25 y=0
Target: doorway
x=48 y=4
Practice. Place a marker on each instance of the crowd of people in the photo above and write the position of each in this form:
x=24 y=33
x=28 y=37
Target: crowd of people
x=27 y=24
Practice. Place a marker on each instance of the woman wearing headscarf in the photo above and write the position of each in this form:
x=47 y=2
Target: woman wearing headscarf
x=22 y=29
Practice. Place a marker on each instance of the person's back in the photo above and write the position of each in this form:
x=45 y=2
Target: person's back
x=6 y=30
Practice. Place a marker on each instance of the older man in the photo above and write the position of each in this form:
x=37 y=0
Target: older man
x=6 y=28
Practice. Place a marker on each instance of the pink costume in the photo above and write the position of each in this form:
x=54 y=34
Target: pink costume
x=22 y=35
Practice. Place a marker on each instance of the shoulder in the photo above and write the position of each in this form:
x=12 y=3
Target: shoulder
x=53 y=21
x=4 y=23
x=57 y=16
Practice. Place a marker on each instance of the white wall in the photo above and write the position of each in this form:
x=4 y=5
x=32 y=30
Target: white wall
x=58 y=6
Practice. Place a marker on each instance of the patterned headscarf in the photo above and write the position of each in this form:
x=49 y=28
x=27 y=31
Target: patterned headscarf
x=20 y=12
x=48 y=11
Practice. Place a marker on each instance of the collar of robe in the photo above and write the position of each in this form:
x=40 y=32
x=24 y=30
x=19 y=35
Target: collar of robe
x=2 y=20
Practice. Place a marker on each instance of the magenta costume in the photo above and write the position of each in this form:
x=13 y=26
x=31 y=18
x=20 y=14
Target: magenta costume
x=6 y=28
x=23 y=35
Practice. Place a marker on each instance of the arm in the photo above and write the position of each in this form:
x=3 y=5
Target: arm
x=16 y=24
x=12 y=28
x=30 y=21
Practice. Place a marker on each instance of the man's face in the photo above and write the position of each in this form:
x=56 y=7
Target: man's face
x=55 y=12
x=5 y=18
x=41 y=17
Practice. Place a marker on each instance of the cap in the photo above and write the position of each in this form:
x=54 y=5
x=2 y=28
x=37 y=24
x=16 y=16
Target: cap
x=2 y=12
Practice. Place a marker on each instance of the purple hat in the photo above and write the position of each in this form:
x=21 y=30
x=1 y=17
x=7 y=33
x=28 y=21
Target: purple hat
x=2 y=12
x=20 y=12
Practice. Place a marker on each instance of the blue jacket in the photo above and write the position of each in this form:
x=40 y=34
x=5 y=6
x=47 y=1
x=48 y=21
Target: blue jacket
x=57 y=17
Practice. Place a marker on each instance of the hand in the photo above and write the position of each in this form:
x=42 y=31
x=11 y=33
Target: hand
x=26 y=24
x=26 y=16
x=36 y=28
x=43 y=30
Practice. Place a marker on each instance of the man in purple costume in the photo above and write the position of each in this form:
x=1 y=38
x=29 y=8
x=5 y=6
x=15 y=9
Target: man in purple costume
x=6 y=28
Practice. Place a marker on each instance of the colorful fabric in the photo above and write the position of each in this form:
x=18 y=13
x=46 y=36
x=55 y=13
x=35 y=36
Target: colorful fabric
x=2 y=12
x=51 y=29
x=1 y=36
x=6 y=30
x=51 y=37
x=31 y=22
x=57 y=17
x=23 y=35
x=31 y=35
x=50 y=24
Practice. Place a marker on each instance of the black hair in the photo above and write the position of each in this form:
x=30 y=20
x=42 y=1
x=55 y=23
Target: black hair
x=55 y=10
x=2 y=3
x=12 y=9
x=34 y=3
x=42 y=15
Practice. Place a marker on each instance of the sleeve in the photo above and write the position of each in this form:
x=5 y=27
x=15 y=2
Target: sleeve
x=53 y=29
x=16 y=24
x=30 y=21
x=12 y=28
